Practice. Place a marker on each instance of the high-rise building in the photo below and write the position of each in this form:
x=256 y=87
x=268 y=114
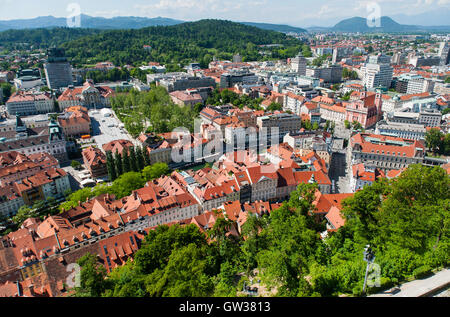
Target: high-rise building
x=377 y=75
x=298 y=64
x=444 y=53
x=379 y=59
x=58 y=71
x=330 y=74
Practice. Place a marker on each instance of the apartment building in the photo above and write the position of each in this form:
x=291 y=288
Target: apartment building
x=330 y=74
x=298 y=64
x=75 y=121
x=50 y=140
x=285 y=122
x=43 y=185
x=385 y=152
x=15 y=166
x=293 y=102
x=184 y=99
x=24 y=103
x=58 y=71
x=95 y=161
x=10 y=201
x=183 y=81
x=377 y=75
x=364 y=175
x=401 y=130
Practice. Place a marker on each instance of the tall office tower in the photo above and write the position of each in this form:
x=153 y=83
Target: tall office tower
x=379 y=59
x=58 y=71
x=298 y=64
x=444 y=53
x=377 y=75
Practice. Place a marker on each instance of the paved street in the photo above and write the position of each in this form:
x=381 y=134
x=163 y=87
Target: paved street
x=340 y=131
x=106 y=129
x=338 y=172
x=423 y=287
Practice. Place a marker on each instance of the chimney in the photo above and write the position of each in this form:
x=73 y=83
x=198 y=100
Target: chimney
x=31 y=289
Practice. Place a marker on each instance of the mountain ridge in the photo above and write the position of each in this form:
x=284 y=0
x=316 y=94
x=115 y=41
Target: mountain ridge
x=122 y=22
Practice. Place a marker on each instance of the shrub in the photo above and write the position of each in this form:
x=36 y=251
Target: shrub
x=422 y=272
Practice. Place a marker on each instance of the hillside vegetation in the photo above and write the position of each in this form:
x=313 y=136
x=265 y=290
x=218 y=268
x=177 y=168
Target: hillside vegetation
x=181 y=44
x=405 y=220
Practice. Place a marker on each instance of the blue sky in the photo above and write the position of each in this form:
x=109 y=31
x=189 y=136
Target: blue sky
x=293 y=12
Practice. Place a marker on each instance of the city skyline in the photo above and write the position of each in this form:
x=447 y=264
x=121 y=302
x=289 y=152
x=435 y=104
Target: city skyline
x=320 y=13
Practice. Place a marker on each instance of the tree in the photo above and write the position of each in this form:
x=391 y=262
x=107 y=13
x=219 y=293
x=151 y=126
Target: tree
x=133 y=160
x=183 y=276
x=446 y=145
x=347 y=124
x=118 y=163
x=110 y=164
x=23 y=214
x=293 y=242
x=356 y=125
x=274 y=106
x=126 y=164
x=8 y=90
x=140 y=158
x=253 y=243
x=307 y=124
x=146 y=155
x=198 y=107
x=433 y=139
x=155 y=171
x=126 y=183
x=92 y=277
x=75 y=165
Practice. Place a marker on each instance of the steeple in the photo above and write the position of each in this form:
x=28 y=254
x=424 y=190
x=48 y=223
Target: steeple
x=312 y=180
x=55 y=131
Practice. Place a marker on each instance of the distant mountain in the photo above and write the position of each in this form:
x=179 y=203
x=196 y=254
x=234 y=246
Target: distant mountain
x=276 y=27
x=88 y=22
x=122 y=23
x=358 y=24
x=387 y=25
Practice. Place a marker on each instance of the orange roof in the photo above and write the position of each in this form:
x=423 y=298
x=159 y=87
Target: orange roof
x=387 y=145
x=117 y=146
x=408 y=97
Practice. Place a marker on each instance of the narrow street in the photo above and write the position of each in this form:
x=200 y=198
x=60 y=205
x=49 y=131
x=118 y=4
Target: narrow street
x=338 y=172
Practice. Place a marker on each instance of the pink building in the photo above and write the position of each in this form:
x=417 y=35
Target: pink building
x=365 y=108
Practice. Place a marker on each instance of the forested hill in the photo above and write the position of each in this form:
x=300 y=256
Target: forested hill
x=180 y=44
x=42 y=37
